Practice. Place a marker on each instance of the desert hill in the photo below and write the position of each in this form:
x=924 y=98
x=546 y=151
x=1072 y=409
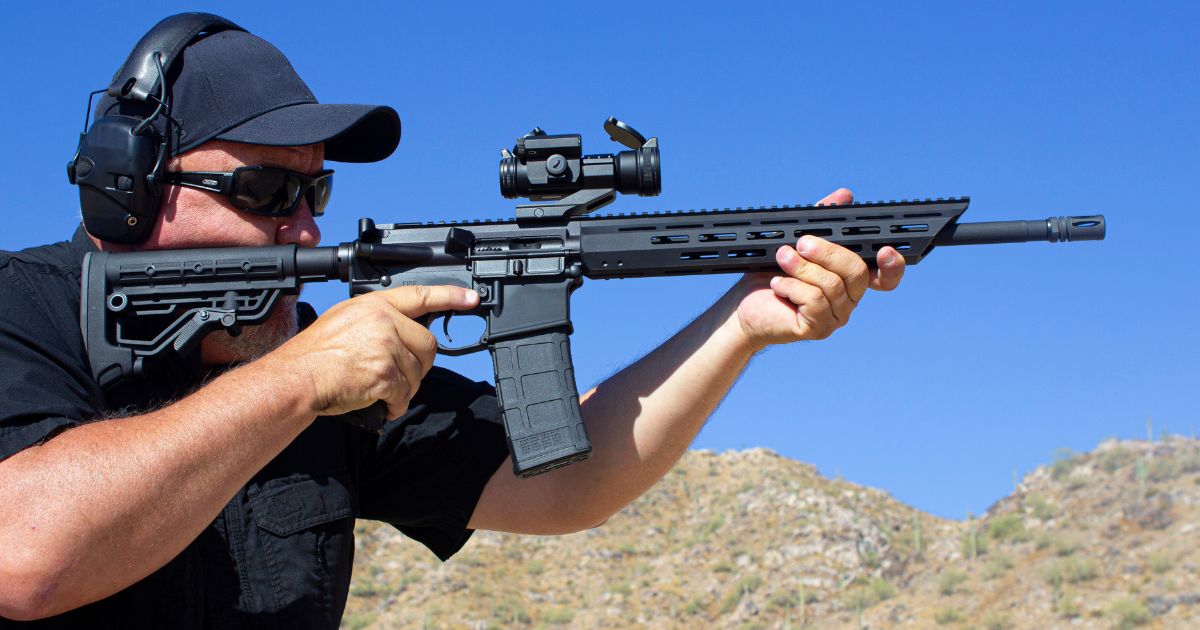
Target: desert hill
x=751 y=539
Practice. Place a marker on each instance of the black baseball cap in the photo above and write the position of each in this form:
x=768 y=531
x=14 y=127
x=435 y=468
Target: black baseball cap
x=234 y=86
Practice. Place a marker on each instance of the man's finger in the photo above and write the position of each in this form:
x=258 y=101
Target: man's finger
x=831 y=284
x=837 y=198
x=890 y=270
x=415 y=301
x=839 y=260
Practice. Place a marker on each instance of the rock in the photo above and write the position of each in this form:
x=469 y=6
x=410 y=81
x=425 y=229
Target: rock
x=1158 y=605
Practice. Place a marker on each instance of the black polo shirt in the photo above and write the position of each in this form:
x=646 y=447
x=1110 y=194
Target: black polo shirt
x=280 y=554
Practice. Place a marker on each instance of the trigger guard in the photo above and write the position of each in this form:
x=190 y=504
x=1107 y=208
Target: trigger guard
x=453 y=351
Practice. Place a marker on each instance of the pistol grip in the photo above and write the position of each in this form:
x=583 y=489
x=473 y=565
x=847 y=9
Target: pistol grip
x=368 y=418
x=535 y=381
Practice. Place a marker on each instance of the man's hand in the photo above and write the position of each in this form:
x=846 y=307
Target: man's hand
x=821 y=285
x=370 y=348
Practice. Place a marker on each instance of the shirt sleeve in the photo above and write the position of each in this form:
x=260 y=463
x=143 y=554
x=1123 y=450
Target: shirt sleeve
x=45 y=385
x=429 y=468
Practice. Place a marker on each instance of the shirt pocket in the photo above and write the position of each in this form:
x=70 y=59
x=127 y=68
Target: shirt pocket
x=305 y=532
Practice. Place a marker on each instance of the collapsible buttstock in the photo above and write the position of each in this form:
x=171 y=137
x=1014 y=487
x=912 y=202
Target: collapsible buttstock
x=535 y=381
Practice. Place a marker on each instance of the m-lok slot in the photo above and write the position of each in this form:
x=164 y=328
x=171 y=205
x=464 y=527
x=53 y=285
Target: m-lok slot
x=764 y=235
x=669 y=239
x=822 y=232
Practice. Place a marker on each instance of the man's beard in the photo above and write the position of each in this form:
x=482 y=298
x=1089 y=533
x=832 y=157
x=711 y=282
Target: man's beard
x=256 y=341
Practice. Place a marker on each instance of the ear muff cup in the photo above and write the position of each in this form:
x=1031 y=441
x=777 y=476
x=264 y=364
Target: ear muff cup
x=118 y=202
x=116 y=170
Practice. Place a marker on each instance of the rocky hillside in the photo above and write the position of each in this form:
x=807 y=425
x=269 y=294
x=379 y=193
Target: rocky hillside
x=754 y=540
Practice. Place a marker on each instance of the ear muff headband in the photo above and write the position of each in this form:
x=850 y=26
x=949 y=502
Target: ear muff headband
x=119 y=158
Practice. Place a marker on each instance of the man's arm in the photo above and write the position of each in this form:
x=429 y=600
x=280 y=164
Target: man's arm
x=103 y=505
x=643 y=418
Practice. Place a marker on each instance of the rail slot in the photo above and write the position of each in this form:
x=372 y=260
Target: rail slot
x=910 y=227
x=764 y=235
x=669 y=239
x=822 y=232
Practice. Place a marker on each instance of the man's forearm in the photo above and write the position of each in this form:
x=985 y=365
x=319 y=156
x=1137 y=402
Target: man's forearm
x=103 y=505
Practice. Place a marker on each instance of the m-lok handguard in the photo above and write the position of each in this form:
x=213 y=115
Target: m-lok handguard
x=144 y=307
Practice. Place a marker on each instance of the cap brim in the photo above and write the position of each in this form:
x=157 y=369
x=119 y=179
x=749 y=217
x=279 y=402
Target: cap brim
x=351 y=133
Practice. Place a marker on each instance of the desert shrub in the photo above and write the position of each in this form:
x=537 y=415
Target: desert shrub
x=1112 y=461
x=366 y=588
x=729 y=604
x=791 y=599
x=1165 y=468
x=1072 y=570
x=511 y=612
x=1159 y=562
x=1068 y=608
x=558 y=616
x=997 y=566
x=947 y=615
x=950 y=581
x=1075 y=482
x=996 y=621
x=1189 y=462
x=358 y=620
x=1066 y=545
x=1008 y=527
x=973 y=544
x=1127 y=613
x=621 y=587
x=535 y=567
x=1064 y=463
x=882 y=589
x=1042 y=509
x=749 y=584
x=859 y=598
x=712 y=526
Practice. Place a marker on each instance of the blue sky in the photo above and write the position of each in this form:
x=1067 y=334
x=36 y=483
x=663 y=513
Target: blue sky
x=987 y=360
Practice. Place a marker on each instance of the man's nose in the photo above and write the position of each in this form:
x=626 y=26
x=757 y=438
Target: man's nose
x=300 y=228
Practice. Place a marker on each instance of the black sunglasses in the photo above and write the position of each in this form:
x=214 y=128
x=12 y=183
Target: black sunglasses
x=263 y=190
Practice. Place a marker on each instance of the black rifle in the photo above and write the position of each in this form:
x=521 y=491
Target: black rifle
x=140 y=308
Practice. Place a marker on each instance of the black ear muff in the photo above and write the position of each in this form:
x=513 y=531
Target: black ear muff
x=119 y=202
x=119 y=161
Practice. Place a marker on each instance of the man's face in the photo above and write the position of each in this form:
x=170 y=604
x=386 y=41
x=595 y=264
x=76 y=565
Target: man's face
x=191 y=218
x=197 y=218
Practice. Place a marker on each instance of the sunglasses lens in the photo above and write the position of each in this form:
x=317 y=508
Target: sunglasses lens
x=318 y=195
x=277 y=192
x=268 y=192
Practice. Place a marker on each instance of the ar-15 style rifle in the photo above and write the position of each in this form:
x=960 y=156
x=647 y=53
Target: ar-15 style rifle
x=144 y=307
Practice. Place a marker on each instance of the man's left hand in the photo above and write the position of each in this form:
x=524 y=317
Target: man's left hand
x=820 y=286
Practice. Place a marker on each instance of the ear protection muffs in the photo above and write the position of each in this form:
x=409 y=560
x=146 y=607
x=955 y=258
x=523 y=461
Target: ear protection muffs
x=119 y=162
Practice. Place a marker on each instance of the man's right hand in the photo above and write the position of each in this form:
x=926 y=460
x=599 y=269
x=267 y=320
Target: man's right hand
x=370 y=348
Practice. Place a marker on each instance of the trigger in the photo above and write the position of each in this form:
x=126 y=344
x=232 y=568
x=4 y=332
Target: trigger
x=446 y=326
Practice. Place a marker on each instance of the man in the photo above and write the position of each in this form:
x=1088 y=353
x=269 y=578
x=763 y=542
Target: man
x=219 y=495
